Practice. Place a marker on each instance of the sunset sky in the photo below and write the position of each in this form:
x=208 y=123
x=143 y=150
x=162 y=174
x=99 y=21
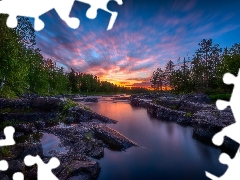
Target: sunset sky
x=146 y=34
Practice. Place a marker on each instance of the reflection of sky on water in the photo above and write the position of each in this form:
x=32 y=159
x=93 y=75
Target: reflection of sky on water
x=50 y=142
x=171 y=153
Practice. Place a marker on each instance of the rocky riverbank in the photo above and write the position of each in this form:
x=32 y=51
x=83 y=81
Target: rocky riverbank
x=191 y=110
x=81 y=132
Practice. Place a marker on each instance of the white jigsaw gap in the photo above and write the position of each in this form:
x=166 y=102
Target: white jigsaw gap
x=44 y=170
x=36 y=8
x=233 y=167
x=8 y=141
x=3 y=165
x=18 y=176
x=231 y=131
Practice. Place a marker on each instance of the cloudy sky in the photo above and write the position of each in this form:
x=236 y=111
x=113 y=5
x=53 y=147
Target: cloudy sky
x=146 y=34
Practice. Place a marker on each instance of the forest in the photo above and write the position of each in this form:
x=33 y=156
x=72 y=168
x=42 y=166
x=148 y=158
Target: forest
x=202 y=73
x=23 y=69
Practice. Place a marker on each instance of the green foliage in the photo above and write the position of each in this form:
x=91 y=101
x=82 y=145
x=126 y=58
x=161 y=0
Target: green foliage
x=3 y=124
x=89 y=136
x=23 y=68
x=203 y=73
x=16 y=110
x=6 y=92
x=174 y=107
x=69 y=103
x=215 y=97
x=5 y=151
x=189 y=114
x=87 y=108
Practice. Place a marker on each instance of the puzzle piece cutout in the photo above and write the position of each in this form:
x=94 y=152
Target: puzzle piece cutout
x=3 y=165
x=18 y=176
x=231 y=131
x=8 y=141
x=36 y=8
x=101 y=4
x=44 y=170
x=233 y=167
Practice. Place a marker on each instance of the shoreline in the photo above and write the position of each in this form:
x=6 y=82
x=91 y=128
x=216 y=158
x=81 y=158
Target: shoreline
x=193 y=110
x=85 y=132
x=84 y=136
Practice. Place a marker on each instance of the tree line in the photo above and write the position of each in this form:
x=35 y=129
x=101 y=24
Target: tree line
x=201 y=73
x=24 y=69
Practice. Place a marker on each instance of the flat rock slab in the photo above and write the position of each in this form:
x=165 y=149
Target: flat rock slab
x=77 y=167
x=112 y=138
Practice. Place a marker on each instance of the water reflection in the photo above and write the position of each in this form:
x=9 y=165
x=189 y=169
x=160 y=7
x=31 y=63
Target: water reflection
x=171 y=152
x=51 y=142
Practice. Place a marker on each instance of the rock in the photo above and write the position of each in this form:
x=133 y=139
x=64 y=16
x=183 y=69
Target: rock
x=121 y=98
x=204 y=134
x=28 y=117
x=90 y=100
x=77 y=166
x=164 y=113
x=69 y=119
x=213 y=118
x=194 y=107
x=197 y=98
x=230 y=145
x=14 y=103
x=97 y=152
x=112 y=138
x=18 y=134
x=25 y=128
x=90 y=148
x=85 y=99
x=23 y=149
x=83 y=115
x=39 y=124
x=29 y=96
x=47 y=103
x=173 y=104
x=30 y=172
x=3 y=176
x=15 y=166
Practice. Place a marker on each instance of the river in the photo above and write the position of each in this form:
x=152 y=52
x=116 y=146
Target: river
x=167 y=151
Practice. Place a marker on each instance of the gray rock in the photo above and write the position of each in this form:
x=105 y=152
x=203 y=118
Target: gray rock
x=69 y=119
x=200 y=98
x=3 y=176
x=39 y=124
x=78 y=167
x=15 y=166
x=25 y=128
x=23 y=149
x=112 y=138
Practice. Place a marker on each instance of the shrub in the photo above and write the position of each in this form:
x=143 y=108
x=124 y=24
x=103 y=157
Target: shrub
x=69 y=103
x=215 y=97
x=189 y=114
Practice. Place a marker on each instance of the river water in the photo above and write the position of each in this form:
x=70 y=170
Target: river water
x=167 y=152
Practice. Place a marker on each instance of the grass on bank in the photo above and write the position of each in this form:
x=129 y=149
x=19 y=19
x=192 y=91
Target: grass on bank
x=215 y=97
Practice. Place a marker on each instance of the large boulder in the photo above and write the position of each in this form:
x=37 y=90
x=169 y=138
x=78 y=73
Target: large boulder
x=197 y=98
x=77 y=166
x=112 y=138
x=47 y=103
x=23 y=149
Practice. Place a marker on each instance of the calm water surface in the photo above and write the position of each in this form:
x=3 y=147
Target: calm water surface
x=168 y=150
